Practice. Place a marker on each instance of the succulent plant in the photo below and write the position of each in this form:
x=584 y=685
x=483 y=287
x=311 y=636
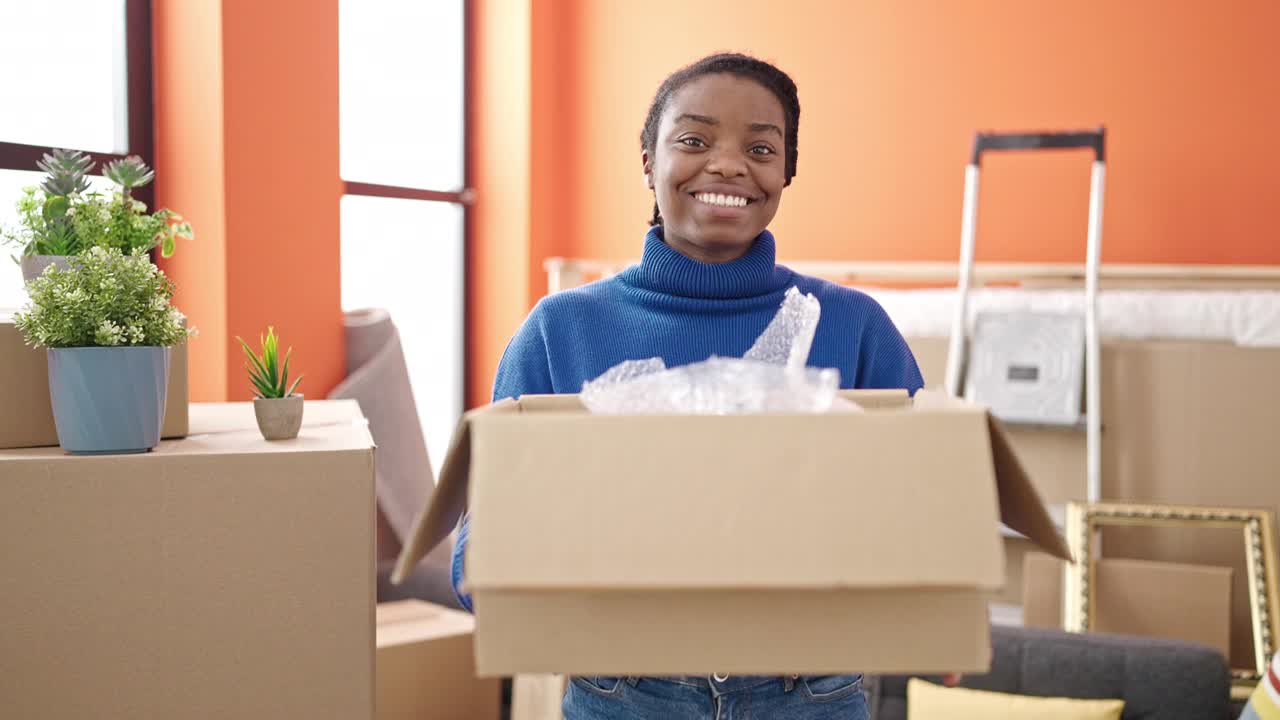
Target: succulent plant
x=129 y=173
x=269 y=377
x=66 y=170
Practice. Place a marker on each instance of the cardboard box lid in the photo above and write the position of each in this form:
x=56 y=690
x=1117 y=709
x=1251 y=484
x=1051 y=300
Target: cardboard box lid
x=230 y=429
x=409 y=621
x=564 y=499
x=229 y=416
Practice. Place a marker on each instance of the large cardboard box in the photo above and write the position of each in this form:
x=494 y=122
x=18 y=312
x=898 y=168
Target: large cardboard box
x=1139 y=597
x=650 y=544
x=1184 y=423
x=26 y=414
x=219 y=576
x=425 y=666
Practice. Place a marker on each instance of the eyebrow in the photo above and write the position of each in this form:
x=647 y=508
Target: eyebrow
x=704 y=119
x=765 y=127
x=708 y=120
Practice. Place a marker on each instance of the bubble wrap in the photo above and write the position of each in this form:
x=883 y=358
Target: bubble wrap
x=772 y=377
x=789 y=336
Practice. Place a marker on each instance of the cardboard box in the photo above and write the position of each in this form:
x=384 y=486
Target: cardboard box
x=538 y=697
x=425 y=667
x=219 y=576
x=1042 y=590
x=24 y=387
x=1184 y=423
x=636 y=545
x=1138 y=597
x=1015 y=551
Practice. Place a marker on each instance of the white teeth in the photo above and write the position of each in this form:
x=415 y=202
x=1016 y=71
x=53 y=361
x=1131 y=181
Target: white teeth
x=722 y=200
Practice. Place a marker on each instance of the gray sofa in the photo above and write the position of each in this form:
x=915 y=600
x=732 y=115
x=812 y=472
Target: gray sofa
x=1163 y=679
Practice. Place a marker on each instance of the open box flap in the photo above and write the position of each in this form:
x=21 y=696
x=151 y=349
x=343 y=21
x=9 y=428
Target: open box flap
x=449 y=500
x=1020 y=505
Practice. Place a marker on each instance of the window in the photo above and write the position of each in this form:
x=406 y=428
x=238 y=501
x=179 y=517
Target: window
x=77 y=75
x=402 y=110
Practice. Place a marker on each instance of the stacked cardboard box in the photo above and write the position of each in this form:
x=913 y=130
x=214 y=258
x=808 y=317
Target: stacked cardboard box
x=218 y=576
x=27 y=416
x=1139 y=597
x=1184 y=423
x=631 y=545
x=425 y=667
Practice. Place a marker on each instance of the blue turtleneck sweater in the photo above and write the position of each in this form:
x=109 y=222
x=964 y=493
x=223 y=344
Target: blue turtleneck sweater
x=685 y=311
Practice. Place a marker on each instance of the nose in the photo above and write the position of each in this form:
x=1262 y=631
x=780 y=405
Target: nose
x=726 y=163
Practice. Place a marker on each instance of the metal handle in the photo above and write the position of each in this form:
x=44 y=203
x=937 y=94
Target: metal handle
x=1092 y=139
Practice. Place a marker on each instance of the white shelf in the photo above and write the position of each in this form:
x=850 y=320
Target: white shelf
x=1005 y=614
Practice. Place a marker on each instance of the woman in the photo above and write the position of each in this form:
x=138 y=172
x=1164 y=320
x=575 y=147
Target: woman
x=718 y=147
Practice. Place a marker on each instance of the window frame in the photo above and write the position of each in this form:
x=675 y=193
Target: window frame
x=139 y=102
x=464 y=197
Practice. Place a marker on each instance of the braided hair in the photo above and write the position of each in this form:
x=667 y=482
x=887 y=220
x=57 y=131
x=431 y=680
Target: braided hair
x=743 y=66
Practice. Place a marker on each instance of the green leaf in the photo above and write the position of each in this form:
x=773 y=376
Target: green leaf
x=264 y=385
x=257 y=368
x=257 y=376
x=284 y=371
x=294 y=386
x=263 y=388
x=55 y=207
x=269 y=353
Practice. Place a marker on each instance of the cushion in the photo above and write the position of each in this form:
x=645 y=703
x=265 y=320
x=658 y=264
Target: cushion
x=926 y=701
x=1264 y=704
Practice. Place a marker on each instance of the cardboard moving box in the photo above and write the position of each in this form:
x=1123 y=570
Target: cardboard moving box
x=745 y=544
x=425 y=666
x=1139 y=597
x=26 y=414
x=219 y=576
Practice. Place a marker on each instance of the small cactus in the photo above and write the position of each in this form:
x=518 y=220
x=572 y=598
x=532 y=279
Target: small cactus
x=67 y=171
x=129 y=173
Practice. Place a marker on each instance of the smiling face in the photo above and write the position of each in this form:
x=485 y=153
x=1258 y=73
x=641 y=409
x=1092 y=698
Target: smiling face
x=718 y=167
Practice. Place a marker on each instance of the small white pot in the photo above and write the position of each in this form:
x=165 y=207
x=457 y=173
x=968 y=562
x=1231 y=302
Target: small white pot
x=279 y=418
x=33 y=265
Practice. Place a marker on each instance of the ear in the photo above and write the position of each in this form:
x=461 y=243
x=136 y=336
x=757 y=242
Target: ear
x=648 y=169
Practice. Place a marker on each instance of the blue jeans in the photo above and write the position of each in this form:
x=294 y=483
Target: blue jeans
x=825 y=697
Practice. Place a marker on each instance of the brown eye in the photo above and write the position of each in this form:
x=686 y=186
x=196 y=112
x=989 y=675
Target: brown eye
x=761 y=150
x=692 y=142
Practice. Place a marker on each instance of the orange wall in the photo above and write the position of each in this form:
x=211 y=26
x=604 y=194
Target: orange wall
x=246 y=117
x=283 y=184
x=189 y=168
x=891 y=95
x=498 y=255
x=247 y=148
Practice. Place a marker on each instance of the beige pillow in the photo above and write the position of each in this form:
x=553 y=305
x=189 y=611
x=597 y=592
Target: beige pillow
x=926 y=701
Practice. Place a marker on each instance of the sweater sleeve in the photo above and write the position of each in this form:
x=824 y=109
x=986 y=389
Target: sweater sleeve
x=884 y=360
x=524 y=370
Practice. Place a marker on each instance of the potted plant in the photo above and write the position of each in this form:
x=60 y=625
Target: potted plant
x=45 y=233
x=108 y=324
x=61 y=218
x=276 y=406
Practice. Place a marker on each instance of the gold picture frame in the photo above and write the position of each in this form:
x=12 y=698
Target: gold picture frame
x=1257 y=530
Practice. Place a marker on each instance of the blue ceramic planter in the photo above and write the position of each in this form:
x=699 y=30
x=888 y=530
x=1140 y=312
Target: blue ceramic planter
x=108 y=399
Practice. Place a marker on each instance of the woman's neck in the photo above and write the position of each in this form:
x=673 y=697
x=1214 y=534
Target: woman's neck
x=711 y=255
x=664 y=269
